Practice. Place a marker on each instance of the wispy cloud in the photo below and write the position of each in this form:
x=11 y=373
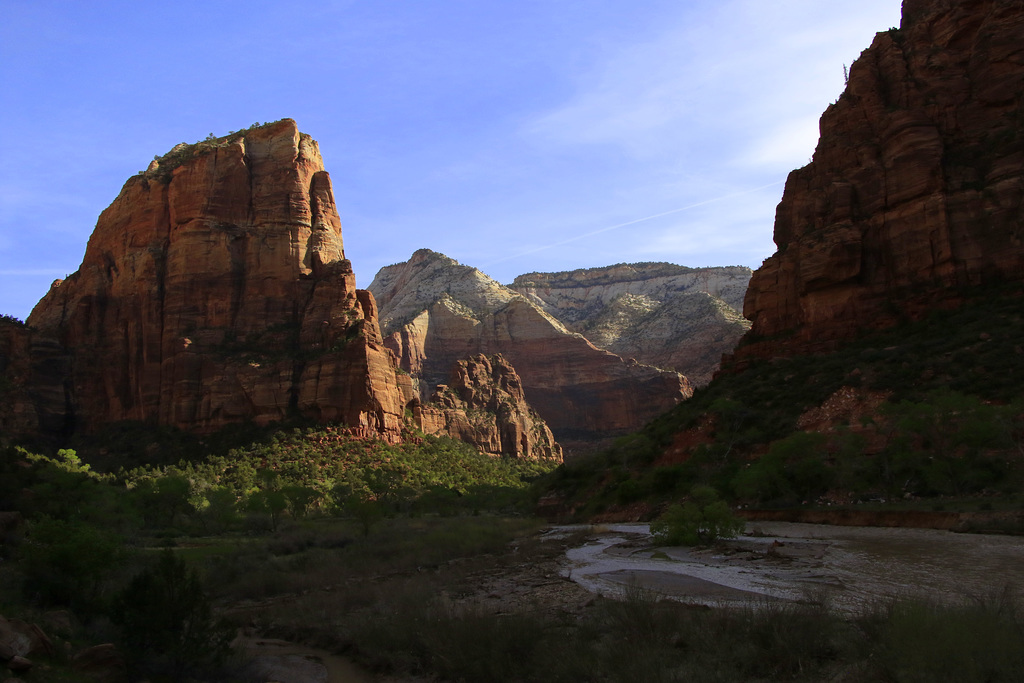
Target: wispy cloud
x=724 y=98
x=734 y=75
x=594 y=233
x=788 y=145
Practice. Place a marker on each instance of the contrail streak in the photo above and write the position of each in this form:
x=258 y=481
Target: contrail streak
x=633 y=222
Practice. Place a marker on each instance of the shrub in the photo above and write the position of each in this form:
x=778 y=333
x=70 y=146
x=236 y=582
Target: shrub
x=67 y=562
x=701 y=520
x=167 y=623
x=793 y=469
x=923 y=641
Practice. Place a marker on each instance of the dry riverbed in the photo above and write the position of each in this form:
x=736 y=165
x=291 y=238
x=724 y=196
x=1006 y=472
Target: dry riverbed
x=566 y=569
x=852 y=567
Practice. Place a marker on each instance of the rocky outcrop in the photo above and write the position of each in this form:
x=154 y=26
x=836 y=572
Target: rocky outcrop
x=436 y=312
x=215 y=289
x=916 y=188
x=661 y=314
x=484 y=405
x=21 y=643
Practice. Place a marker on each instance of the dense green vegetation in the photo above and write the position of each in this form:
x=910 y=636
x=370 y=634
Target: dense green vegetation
x=950 y=424
x=294 y=474
x=90 y=536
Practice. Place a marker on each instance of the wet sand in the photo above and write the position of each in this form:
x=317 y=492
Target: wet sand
x=678 y=585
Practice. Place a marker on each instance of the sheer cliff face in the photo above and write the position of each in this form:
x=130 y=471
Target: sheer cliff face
x=436 y=312
x=661 y=314
x=215 y=289
x=17 y=411
x=916 y=187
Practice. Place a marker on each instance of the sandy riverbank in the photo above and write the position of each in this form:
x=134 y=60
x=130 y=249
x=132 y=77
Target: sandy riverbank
x=850 y=566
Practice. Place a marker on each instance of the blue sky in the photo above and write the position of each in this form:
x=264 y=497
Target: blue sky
x=511 y=135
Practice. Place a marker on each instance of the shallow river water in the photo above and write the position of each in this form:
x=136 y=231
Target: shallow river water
x=853 y=566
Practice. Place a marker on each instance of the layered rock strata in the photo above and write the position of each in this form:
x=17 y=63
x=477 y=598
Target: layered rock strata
x=214 y=290
x=484 y=405
x=661 y=314
x=435 y=312
x=915 y=190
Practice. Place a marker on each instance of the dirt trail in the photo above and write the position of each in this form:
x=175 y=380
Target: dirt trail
x=284 y=662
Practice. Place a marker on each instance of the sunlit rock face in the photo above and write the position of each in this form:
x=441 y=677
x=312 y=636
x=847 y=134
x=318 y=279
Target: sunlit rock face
x=661 y=314
x=215 y=289
x=435 y=312
x=916 y=188
x=484 y=405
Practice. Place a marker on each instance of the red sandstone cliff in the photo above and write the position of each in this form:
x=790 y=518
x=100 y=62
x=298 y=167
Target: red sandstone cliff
x=916 y=187
x=17 y=410
x=215 y=289
x=484 y=405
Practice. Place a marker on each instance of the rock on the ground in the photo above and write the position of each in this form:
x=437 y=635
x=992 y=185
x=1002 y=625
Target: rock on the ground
x=102 y=663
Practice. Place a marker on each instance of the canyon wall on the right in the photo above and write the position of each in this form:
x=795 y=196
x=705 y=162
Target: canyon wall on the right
x=915 y=192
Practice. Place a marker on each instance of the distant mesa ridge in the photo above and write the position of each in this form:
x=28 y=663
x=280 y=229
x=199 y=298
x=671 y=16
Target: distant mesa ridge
x=661 y=314
x=434 y=311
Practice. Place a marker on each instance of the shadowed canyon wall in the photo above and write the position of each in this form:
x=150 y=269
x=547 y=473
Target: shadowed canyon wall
x=915 y=190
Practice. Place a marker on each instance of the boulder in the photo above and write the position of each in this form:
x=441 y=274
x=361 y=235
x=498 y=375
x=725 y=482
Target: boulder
x=22 y=639
x=103 y=663
x=19 y=664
